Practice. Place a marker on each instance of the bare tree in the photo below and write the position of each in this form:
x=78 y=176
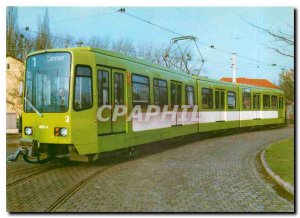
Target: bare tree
x=25 y=45
x=12 y=31
x=145 y=52
x=99 y=42
x=95 y=42
x=43 y=39
x=124 y=46
x=285 y=40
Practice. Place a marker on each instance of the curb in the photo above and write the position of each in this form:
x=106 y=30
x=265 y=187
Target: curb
x=286 y=186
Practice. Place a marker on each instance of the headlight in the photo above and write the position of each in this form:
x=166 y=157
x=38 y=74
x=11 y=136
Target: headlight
x=60 y=131
x=28 y=131
x=63 y=132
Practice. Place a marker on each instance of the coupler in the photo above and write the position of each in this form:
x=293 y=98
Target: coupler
x=31 y=152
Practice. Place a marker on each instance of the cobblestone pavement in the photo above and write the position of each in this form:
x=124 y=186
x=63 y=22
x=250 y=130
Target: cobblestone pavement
x=211 y=175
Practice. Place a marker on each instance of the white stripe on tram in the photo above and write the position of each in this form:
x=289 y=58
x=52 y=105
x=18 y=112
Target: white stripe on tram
x=155 y=122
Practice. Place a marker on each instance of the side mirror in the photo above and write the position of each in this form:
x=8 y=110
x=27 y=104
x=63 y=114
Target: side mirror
x=21 y=89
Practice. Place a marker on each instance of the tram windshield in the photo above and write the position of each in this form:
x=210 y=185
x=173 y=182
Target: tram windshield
x=47 y=82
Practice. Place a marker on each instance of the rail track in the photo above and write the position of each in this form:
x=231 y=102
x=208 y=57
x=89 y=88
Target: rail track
x=33 y=168
x=47 y=169
x=28 y=177
x=75 y=188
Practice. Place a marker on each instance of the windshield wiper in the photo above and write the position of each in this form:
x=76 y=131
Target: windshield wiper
x=36 y=111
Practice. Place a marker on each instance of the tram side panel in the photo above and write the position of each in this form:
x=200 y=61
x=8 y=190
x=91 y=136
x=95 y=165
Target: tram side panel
x=218 y=106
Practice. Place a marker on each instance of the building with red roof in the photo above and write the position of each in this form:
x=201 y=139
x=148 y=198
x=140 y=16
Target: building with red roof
x=254 y=82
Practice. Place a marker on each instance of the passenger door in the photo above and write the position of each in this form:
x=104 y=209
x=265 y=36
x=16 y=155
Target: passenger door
x=111 y=92
x=118 y=99
x=220 y=104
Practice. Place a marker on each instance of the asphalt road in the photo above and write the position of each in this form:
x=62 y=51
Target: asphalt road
x=210 y=175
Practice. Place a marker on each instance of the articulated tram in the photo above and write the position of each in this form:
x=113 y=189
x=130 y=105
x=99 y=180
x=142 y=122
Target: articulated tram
x=64 y=89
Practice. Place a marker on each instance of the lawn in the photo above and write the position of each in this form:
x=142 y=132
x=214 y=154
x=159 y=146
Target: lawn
x=280 y=157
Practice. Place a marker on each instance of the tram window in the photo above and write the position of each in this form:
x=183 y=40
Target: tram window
x=266 y=101
x=231 y=101
x=103 y=88
x=189 y=95
x=140 y=90
x=83 y=88
x=274 y=101
x=160 y=92
x=119 y=89
x=207 y=98
x=256 y=101
x=246 y=100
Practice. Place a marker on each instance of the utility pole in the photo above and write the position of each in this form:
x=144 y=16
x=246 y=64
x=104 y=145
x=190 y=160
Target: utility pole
x=233 y=66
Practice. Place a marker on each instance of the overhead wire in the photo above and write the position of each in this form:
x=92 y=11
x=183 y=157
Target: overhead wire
x=153 y=24
x=202 y=43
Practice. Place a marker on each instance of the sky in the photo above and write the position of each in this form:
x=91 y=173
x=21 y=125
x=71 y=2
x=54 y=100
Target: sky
x=223 y=27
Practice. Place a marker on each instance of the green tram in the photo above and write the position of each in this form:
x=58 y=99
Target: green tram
x=64 y=89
